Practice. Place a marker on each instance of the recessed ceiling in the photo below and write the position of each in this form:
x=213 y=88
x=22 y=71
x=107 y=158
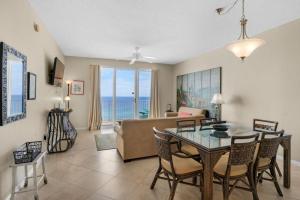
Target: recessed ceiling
x=170 y=30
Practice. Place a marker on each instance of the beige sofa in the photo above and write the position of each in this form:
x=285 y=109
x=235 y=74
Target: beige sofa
x=135 y=137
x=193 y=111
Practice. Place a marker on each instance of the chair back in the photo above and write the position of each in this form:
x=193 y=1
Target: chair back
x=261 y=125
x=242 y=149
x=269 y=144
x=207 y=122
x=163 y=145
x=186 y=125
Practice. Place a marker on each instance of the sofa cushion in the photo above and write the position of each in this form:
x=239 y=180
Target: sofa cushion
x=193 y=111
x=184 y=114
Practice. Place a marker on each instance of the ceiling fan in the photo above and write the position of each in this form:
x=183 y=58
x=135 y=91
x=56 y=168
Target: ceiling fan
x=137 y=56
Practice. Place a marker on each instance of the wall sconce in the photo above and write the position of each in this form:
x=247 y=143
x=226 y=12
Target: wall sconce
x=68 y=82
x=68 y=98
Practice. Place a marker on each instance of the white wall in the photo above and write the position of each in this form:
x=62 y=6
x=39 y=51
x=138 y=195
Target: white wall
x=78 y=69
x=16 y=22
x=265 y=86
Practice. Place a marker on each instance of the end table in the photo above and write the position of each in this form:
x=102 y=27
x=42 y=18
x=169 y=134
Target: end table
x=36 y=178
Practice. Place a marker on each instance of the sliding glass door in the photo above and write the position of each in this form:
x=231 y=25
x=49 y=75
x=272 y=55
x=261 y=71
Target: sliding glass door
x=125 y=93
x=144 y=93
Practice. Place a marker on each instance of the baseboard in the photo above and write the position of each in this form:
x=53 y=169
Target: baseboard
x=294 y=162
x=21 y=184
x=134 y=159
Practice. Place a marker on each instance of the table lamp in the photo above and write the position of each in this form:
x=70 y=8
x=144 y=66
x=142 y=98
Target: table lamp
x=218 y=101
x=67 y=99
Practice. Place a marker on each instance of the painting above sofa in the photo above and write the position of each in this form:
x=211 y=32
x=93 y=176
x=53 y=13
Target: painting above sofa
x=197 y=89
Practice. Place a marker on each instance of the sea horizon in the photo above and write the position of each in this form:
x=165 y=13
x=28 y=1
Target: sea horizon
x=124 y=107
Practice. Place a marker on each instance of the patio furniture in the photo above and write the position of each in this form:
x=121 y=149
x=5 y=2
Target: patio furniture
x=176 y=167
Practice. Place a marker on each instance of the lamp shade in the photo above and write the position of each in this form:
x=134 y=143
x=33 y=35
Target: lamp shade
x=68 y=81
x=243 y=48
x=217 y=99
x=67 y=98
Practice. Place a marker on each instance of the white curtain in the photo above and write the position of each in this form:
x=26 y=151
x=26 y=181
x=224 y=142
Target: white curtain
x=95 y=118
x=154 y=99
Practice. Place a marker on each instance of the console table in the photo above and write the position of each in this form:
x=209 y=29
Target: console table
x=61 y=132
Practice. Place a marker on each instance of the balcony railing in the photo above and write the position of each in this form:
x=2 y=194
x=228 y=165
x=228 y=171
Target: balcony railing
x=124 y=108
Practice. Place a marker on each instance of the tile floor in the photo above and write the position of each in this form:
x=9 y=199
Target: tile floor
x=85 y=174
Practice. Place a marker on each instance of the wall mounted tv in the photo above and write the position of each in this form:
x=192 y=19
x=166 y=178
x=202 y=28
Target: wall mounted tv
x=57 y=73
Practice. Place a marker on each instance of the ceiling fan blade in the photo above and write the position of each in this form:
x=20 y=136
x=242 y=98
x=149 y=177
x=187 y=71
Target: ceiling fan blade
x=147 y=60
x=132 y=61
x=149 y=57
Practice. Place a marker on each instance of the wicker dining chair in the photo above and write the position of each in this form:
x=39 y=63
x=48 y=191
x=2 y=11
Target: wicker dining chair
x=265 y=161
x=206 y=123
x=237 y=166
x=261 y=125
x=175 y=166
x=187 y=125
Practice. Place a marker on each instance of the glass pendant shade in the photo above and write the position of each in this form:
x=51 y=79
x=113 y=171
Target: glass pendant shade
x=243 y=48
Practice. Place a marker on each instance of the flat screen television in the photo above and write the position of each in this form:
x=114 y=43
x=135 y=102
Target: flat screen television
x=57 y=73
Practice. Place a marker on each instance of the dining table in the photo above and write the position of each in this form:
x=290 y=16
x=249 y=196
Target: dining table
x=212 y=147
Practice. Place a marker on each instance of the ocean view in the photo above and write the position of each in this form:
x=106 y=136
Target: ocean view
x=124 y=108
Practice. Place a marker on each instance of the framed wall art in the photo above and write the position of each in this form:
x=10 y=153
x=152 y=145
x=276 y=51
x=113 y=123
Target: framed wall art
x=197 y=89
x=77 y=87
x=31 y=86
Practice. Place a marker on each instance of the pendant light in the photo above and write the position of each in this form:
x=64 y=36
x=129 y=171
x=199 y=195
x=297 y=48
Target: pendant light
x=244 y=46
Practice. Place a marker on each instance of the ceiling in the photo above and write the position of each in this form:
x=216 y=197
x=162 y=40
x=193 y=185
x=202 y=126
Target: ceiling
x=170 y=30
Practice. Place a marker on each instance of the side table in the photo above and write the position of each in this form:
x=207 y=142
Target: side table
x=36 y=178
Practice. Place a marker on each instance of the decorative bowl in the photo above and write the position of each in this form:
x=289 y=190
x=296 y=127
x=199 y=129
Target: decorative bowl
x=220 y=127
x=220 y=134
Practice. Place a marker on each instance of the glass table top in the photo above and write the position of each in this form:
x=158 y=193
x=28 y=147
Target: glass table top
x=206 y=139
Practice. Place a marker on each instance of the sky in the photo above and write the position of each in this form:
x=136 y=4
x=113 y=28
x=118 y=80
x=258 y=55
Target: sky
x=16 y=77
x=124 y=82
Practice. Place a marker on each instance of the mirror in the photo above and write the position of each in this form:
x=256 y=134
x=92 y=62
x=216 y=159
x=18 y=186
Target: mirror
x=13 y=84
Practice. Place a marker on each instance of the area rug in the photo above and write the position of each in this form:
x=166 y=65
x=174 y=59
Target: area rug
x=105 y=141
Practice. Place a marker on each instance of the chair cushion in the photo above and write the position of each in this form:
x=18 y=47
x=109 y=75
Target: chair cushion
x=236 y=170
x=263 y=162
x=182 y=165
x=190 y=150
